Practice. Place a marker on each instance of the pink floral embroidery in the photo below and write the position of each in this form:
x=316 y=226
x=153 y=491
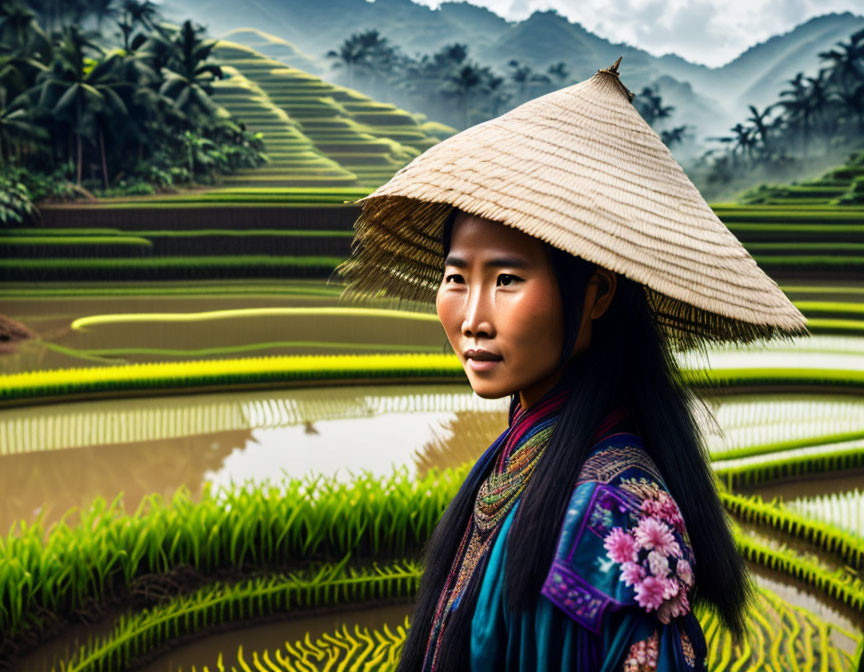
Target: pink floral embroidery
x=632 y=573
x=643 y=655
x=651 y=558
x=654 y=533
x=687 y=648
x=620 y=546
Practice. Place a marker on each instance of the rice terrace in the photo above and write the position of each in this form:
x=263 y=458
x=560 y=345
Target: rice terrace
x=211 y=460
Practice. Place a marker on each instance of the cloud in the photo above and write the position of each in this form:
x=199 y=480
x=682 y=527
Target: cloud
x=712 y=32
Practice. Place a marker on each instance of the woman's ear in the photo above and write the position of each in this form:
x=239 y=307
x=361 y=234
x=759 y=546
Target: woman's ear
x=607 y=282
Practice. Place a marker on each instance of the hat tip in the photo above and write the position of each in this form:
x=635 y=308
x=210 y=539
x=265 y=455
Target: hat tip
x=613 y=70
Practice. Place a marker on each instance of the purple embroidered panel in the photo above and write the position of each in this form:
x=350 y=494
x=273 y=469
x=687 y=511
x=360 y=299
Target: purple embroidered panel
x=622 y=542
x=581 y=601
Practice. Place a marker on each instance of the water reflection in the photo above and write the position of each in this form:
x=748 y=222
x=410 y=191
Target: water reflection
x=60 y=456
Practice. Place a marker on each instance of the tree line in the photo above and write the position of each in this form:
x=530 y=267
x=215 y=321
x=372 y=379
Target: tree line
x=814 y=115
x=104 y=94
x=451 y=87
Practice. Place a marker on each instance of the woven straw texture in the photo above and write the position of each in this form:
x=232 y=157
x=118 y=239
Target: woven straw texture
x=580 y=169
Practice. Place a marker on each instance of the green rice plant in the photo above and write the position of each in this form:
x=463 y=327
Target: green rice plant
x=149 y=630
x=787 y=420
x=798 y=215
x=36 y=248
x=39 y=232
x=837 y=584
x=377 y=649
x=784 y=446
x=230 y=314
x=778 y=377
x=71 y=564
x=246 y=233
x=165 y=267
x=848 y=308
x=793 y=638
x=761 y=471
x=277 y=369
x=295 y=287
x=319 y=369
x=824 y=248
x=839 y=510
x=846 y=545
x=809 y=262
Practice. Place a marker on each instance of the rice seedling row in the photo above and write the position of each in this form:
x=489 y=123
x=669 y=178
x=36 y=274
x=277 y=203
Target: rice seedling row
x=762 y=471
x=837 y=584
x=136 y=268
x=320 y=368
x=779 y=636
x=846 y=545
x=142 y=633
x=298 y=521
x=844 y=511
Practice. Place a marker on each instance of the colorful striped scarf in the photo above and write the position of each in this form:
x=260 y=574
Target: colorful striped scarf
x=524 y=443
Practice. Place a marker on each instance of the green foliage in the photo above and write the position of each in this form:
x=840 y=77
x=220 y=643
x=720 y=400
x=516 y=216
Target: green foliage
x=762 y=471
x=854 y=195
x=847 y=547
x=117 y=122
x=837 y=584
x=163 y=268
x=16 y=205
x=217 y=604
x=271 y=526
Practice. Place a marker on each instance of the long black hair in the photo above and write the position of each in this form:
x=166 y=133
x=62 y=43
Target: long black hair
x=628 y=362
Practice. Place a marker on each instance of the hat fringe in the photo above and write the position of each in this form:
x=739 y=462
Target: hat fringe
x=398 y=253
x=581 y=170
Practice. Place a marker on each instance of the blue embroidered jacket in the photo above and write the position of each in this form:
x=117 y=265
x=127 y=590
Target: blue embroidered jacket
x=616 y=596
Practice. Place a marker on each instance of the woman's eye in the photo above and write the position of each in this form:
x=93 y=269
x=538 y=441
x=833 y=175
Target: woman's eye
x=505 y=280
x=453 y=277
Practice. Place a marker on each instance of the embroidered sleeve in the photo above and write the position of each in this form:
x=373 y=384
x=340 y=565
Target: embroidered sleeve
x=623 y=543
x=652 y=553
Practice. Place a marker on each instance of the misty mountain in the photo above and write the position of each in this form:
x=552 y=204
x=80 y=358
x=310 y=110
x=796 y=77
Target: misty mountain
x=712 y=99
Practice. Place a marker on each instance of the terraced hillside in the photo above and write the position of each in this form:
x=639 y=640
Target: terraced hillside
x=315 y=133
x=842 y=185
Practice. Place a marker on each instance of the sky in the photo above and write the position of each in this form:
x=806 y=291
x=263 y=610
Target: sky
x=711 y=32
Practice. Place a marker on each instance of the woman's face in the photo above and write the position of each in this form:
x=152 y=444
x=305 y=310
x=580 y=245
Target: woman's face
x=500 y=306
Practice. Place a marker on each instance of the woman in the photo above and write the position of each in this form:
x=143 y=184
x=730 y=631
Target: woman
x=555 y=241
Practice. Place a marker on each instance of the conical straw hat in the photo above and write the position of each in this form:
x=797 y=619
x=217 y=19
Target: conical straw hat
x=580 y=169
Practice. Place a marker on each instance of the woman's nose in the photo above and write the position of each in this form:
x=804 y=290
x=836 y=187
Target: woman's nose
x=478 y=320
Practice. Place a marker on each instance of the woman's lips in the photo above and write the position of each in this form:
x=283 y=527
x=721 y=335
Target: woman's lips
x=481 y=360
x=482 y=364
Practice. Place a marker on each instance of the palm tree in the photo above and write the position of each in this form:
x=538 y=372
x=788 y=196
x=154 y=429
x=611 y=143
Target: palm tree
x=674 y=136
x=761 y=128
x=524 y=77
x=650 y=106
x=106 y=79
x=558 y=73
x=362 y=51
x=16 y=127
x=847 y=62
x=819 y=99
x=19 y=29
x=798 y=108
x=188 y=78
x=853 y=101
x=498 y=96
x=742 y=141
x=100 y=10
x=136 y=13
x=65 y=88
x=462 y=84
